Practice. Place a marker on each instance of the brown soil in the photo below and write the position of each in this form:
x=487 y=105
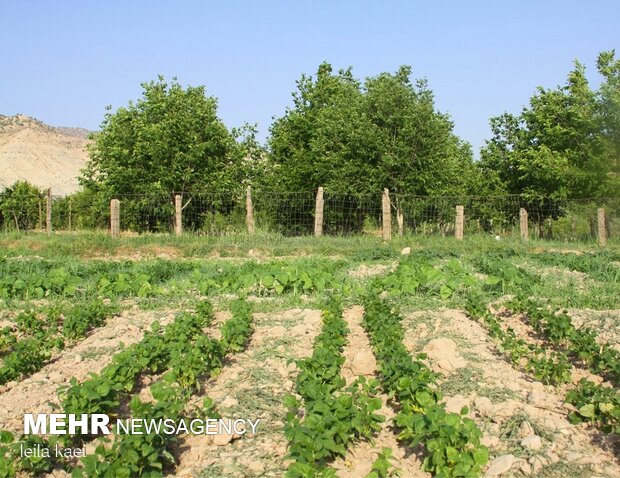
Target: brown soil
x=606 y=324
x=36 y=393
x=252 y=385
x=364 y=271
x=509 y=406
x=359 y=360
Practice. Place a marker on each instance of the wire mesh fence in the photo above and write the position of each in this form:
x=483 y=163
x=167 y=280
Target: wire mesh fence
x=295 y=214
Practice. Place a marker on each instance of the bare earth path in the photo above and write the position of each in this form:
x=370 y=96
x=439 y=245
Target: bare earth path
x=252 y=385
x=359 y=360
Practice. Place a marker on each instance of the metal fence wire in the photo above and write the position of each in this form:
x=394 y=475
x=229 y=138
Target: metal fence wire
x=294 y=214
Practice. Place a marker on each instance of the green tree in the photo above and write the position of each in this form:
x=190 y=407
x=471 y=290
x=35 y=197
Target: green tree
x=355 y=139
x=169 y=141
x=608 y=97
x=417 y=151
x=350 y=137
x=323 y=140
x=21 y=206
x=561 y=146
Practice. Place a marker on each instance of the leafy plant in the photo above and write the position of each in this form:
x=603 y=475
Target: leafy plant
x=452 y=441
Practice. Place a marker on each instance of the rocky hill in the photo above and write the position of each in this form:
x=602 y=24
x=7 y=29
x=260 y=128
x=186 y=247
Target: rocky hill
x=40 y=154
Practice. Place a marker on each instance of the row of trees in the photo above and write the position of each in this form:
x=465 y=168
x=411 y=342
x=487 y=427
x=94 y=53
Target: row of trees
x=353 y=137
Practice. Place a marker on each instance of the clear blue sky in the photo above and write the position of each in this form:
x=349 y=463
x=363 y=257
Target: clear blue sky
x=64 y=61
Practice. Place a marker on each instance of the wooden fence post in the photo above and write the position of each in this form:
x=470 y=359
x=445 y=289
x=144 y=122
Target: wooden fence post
x=387 y=215
x=318 y=214
x=400 y=219
x=249 y=210
x=458 y=226
x=115 y=217
x=40 y=223
x=602 y=233
x=523 y=224
x=178 y=215
x=48 y=215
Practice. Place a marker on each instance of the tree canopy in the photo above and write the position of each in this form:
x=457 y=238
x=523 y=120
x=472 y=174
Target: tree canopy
x=565 y=143
x=354 y=137
x=170 y=140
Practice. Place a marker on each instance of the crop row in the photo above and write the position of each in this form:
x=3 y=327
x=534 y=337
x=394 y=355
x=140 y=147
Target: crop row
x=596 y=404
x=150 y=453
x=413 y=276
x=40 y=337
x=451 y=440
x=580 y=343
x=184 y=353
x=334 y=415
x=548 y=366
x=129 y=280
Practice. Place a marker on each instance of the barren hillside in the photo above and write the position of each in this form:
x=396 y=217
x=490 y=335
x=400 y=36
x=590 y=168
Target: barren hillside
x=43 y=155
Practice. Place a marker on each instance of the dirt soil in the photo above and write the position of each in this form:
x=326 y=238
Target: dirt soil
x=360 y=361
x=252 y=385
x=524 y=422
x=36 y=393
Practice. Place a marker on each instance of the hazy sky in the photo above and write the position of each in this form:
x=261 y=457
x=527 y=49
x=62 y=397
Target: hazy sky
x=64 y=61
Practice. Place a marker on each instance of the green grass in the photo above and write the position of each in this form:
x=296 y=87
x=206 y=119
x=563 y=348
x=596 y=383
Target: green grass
x=362 y=248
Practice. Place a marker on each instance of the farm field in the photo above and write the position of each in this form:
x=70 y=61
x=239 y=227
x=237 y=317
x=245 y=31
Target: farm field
x=418 y=357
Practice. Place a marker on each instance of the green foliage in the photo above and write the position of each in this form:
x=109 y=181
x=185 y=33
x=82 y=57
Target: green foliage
x=12 y=460
x=550 y=367
x=84 y=318
x=334 y=415
x=595 y=404
x=236 y=331
x=350 y=137
x=565 y=144
x=414 y=276
x=7 y=462
x=27 y=357
x=580 y=343
x=37 y=285
x=126 y=283
x=21 y=206
x=357 y=139
x=452 y=441
x=173 y=141
x=40 y=336
x=192 y=355
x=382 y=466
x=272 y=278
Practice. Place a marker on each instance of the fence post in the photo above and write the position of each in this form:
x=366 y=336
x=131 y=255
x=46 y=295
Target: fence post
x=40 y=223
x=318 y=215
x=523 y=224
x=387 y=215
x=48 y=215
x=115 y=217
x=602 y=233
x=178 y=216
x=458 y=226
x=249 y=210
